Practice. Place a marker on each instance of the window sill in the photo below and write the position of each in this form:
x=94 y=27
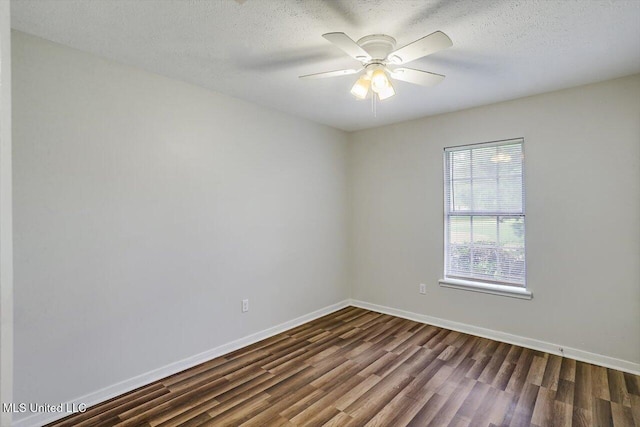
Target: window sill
x=487 y=288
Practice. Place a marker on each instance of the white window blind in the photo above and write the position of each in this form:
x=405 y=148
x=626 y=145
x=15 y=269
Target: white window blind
x=484 y=213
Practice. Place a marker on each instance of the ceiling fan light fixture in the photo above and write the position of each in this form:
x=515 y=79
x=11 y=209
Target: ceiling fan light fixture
x=380 y=60
x=361 y=87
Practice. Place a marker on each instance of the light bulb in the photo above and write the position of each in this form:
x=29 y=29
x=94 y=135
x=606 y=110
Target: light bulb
x=361 y=88
x=379 y=80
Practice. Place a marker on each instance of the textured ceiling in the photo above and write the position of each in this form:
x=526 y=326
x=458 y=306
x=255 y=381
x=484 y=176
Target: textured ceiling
x=255 y=49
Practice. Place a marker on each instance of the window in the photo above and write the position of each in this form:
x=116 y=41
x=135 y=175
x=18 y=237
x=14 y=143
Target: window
x=484 y=216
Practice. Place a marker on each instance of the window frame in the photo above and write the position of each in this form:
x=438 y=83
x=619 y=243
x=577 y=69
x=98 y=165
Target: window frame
x=517 y=290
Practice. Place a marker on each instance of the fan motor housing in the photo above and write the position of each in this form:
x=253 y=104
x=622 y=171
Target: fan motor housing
x=377 y=45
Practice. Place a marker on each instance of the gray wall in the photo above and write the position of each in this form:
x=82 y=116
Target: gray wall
x=582 y=179
x=6 y=210
x=146 y=209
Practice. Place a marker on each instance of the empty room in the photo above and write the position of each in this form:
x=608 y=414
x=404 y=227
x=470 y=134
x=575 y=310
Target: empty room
x=320 y=213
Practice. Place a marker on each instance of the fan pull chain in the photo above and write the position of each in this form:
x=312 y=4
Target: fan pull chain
x=374 y=105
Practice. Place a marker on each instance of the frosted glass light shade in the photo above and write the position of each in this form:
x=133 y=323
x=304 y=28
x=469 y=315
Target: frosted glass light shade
x=386 y=92
x=379 y=81
x=361 y=88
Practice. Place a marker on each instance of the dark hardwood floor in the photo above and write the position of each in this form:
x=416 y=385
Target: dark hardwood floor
x=356 y=367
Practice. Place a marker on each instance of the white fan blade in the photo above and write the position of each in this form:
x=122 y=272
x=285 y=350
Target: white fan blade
x=427 y=45
x=418 y=77
x=348 y=46
x=326 y=74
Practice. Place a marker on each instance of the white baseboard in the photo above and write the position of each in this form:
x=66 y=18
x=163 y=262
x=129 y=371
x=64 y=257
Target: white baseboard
x=114 y=390
x=573 y=353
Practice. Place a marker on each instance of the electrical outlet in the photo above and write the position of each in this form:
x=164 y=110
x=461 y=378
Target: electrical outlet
x=423 y=288
x=245 y=305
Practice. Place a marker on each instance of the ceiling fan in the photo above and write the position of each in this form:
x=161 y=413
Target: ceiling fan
x=380 y=62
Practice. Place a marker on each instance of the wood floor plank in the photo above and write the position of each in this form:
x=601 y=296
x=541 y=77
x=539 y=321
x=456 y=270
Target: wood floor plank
x=352 y=395
x=602 y=412
x=536 y=372
x=142 y=413
x=459 y=422
x=543 y=411
x=374 y=399
x=552 y=373
x=568 y=369
x=565 y=392
x=277 y=406
x=473 y=400
x=502 y=403
x=196 y=412
x=582 y=395
x=525 y=407
x=355 y=368
x=110 y=411
x=466 y=345
x=448 y=411
x=339 y=420
x=562 y=414
x=312 y=412
x=633 y=383
x=429 y=380
x=635 y=409
x=503 y=376
x=600 y=382
x=621 y=416
x=581 y=418
x=248 y=409
x=618 y=387
x=428 y=411
x=387 y=415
